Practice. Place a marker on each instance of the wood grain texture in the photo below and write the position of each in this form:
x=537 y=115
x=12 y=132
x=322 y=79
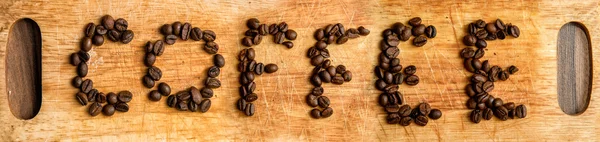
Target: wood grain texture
x=282 y=113
x=24 y=69
x=574 y=68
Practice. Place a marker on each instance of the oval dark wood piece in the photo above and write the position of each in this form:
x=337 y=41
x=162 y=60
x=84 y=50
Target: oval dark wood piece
x=574 y=68
x=24 y=69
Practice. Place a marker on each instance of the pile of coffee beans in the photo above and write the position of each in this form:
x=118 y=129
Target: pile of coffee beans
x=401 y=32
x=485 y=105
x=390 y=75
x=324 y=72
x=256 y=32
x=192 y=99
x=116 y=31
x=250 y=67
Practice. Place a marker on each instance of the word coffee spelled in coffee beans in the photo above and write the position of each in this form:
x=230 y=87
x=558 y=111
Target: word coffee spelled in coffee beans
x=248 y=67
x=116 y=31
x=391 y=74
x=484 y=105
x=324 y=71
x=192 y=99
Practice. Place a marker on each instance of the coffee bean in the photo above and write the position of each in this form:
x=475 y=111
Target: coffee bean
x=170 y=39
x=435 y=114
x=501 y=35
x=421 y=120
x=125 y=96
x=211 y=47
x=412 y=80
x=491 y=28
x=82 y=98
x=155 y=73
x=418 y=30
x=100 y=97
x=241 y=104
x=114 y=35
x=111 y=98
x=384 y=99
x=405 y=35
x=290 y=34
x=148 y=81
x=122 y=107
x=352 y=33
x=206 y=92
x=251 y=97
x=479 y=53
x=405 y=121
x=424 y=108
x=482 y=34
x=127 y=36
x=312 y=100
x=253 y=23
x=177 y=28
x=91 y=96
x=108 y=22
x=500 y=25
x=196 y=34
x=347 y=76
x=485 y=66
x=193 y=107
x=166 y=29
x=392 y=108
x=481 y=44
x=339 y=80
x=492 y=36
x=325 y=76
x=259 y=69
x=471 y=103
x=209 y=35
x=154 y=96
x=467 y=53
x=90 y=28
x=101 y=30
x=503 y=75
x=288 y=44
x=487 y=114
x=256 y=39
x=479 y=23
x=410 y=70
x=87 y=86
x=149 y=59
x=98 y=40
x=95 y=109
x=315 y=113
x=212 y=83
x=469 y=40
x=416 y=21
x=430 y=31
x=77 y=81
x=514 y=31
x=323 y=101
x=86 y=44
x=498 y=102
x=271 y=68
x=380 y=84
x=75 y=59
x=214 y=71
x=247 y=41
x=475 y=116
x=181 y=106
x=327 y=112
x=509 y=105
x=392 y=52
x=316 y=80
x=521 y=111
x=393 y=118
x=363 y=31
x=249 y=111
x=121 y=24
x=392 y=40
x=501 y=112
x=279 y=38
x=342 y=40
x=158 y=48
x=512 y=69
x=108 y=110
x=171 y=101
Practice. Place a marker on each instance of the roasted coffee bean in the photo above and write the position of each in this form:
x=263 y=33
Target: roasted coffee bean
x=92 y=95
x=421 y=120
x=397 y=28
x=177 y=28
x=100 y=97
x=478 y=78
x=323 y=101
x=101 y=30
x=312 y=100
x=121 y=24
x=481 y=43
x=392 y=108
x=475 y=116
x=249 y=111
x=279 y=38
x=111 y=98
x=122 y=107
x=325 y=76
x=472 y=29
x=149 y=59
x=430 y=31
x=467 y=53
x=81 y=98
x=170 y=39
x=181 y=106
x=195 y=95
x=398 y=78
x=315 y=113
x=410 y=70
x=114 y=35
x=316 y=80
x=468 y=64
x=406 y=34
x=241 y=104
x=95 y=109
x=317 y=60
x=259 y=69
x=125 y=96
x=514 y=31
x=77 y=81
x=512 y=69
x=384 y=99
x=491 y=36
x=246 y=78
x=327 y=112
x=319 y=34
x=82 y=69
x=479 y=53
x=166 y=29
x=501 y=35
x=148 y=81
x=211 y=47
x=503 y=75
x=521 y=111
x=155 y=73
x=392 y=52
x=158 y=48
x=419 y=41
x=339 y=80
x=251 y=65
x=251 y=97
x=185 y=31
x=172 y=101
x=288 y=44
x=487 y=114
x=342 y=40
x=501 y=112
x=209 y=35
x=479 y=23
x=253 y=23
x=108 y=110
x=490 y=102
x=347 y=76
x=500 y=25
x=491 y=28
x=471 y=103
x=363 y=31
x=352 y=33
x=418 y=30
x=404 y=110
x=509 y=105
x=247 y=41
x=290 y=34
x=271 y=68
x=497 y=102
x=405 y=121
x=213 y=82
x=193 y=107
x=183 y=95
x=469 y=40
x=206 y=92
x=86 y=44
x=424 y=109
x=205 y=105
x=412 y=80
x=435 y=114
x=392 y=40
x=75 y=59
x=90 y=28
x=257 y=39
x=251 y=33
x=87 y=86
x=108 y=22
x=380 y=84
x=214 y=71
x=388 y=77
x=127 y=36
x=393 y=118
x=98 y=40
x=416 y=21
x=154 y=96
x=482 y=34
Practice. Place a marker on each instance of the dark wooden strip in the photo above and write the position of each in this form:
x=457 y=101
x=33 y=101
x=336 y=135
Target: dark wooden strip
x=574 y=68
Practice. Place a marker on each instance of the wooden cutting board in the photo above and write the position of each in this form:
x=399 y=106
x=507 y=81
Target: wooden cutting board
x=282 y=114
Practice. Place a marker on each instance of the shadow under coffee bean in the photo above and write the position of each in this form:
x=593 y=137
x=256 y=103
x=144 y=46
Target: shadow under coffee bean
x=192 y=99
x=248 y=67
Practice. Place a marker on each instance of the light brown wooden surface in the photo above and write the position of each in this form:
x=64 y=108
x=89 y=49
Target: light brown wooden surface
x=282 y=114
